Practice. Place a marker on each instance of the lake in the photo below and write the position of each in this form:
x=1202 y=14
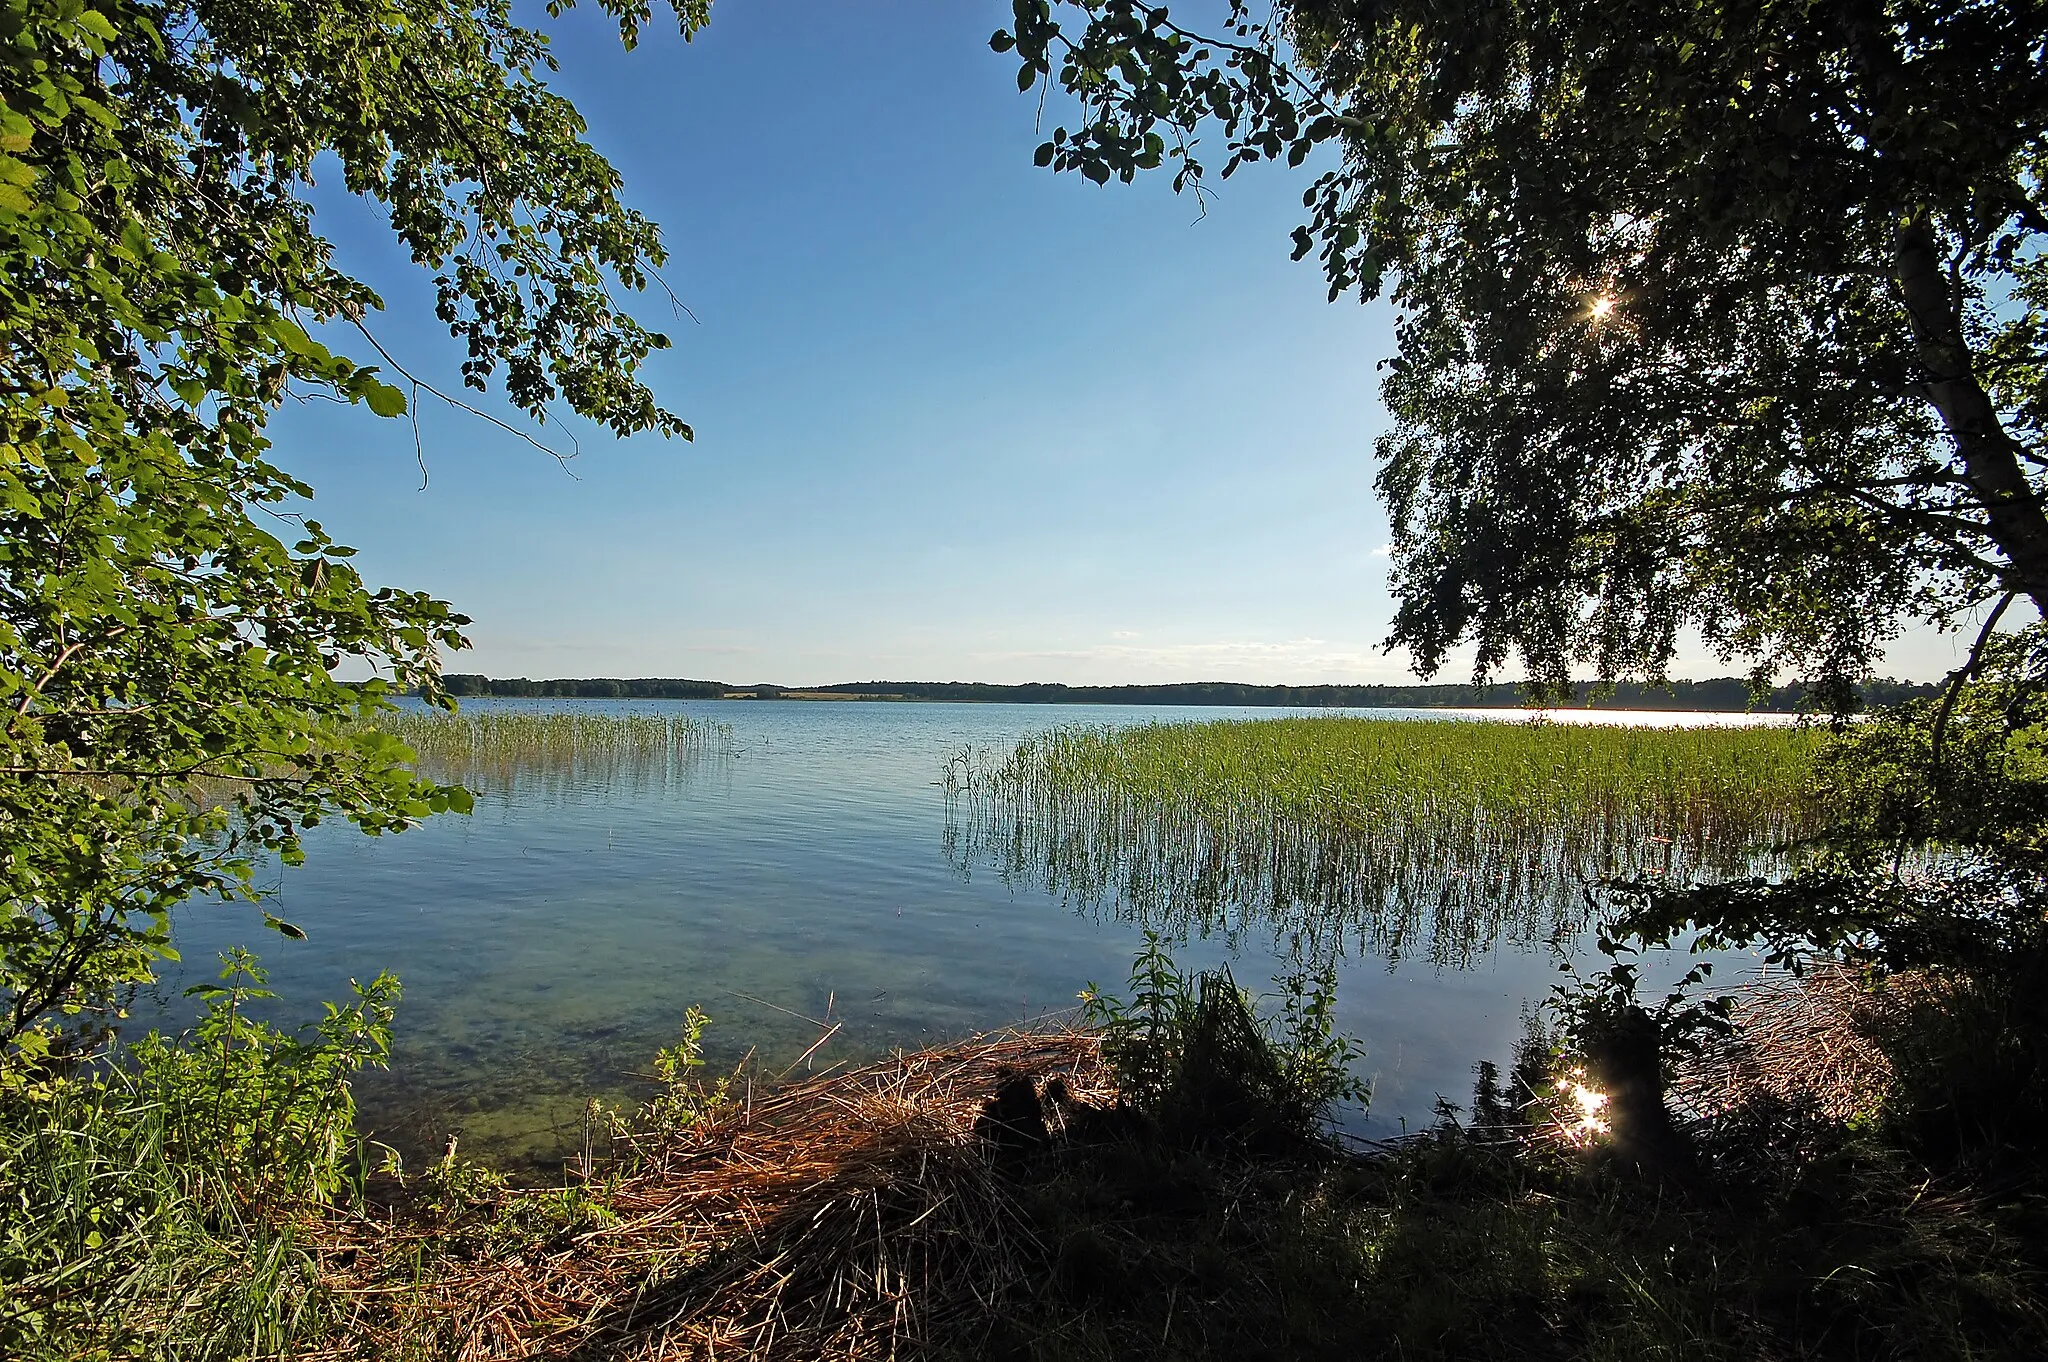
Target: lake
x=812 y=870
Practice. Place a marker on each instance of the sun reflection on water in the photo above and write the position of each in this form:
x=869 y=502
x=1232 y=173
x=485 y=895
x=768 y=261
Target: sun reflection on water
x=1590 y=1103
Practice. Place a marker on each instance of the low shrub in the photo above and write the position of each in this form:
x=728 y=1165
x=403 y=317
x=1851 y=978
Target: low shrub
x=154 y=1203
x=1190 y=1050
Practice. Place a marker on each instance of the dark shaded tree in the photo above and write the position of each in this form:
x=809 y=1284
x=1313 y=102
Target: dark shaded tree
x=1727 y=316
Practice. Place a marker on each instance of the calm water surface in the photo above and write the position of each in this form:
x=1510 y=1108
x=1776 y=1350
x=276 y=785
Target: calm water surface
x=549 y=942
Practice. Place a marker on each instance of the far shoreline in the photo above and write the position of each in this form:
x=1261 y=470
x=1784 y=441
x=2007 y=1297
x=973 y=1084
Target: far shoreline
x=1718 y=695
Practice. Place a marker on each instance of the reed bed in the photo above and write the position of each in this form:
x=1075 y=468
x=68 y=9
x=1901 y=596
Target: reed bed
x=1392 y=836
x=1804 y=1040
x=852 y=1215
x=1829 y=1040
x=496 y=749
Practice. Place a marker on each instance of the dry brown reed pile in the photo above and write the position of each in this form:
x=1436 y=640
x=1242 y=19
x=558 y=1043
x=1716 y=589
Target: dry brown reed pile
x=853 y=1215
x=1805 y=1040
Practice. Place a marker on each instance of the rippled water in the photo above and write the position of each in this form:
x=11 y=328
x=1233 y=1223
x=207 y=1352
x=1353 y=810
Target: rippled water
x=549 y=942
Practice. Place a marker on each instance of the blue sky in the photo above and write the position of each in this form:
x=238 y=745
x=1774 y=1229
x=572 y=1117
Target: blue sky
x=957 y=417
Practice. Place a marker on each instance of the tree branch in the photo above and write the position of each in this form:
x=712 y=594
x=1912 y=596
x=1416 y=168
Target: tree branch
x=1959 y=676
x=421 y=385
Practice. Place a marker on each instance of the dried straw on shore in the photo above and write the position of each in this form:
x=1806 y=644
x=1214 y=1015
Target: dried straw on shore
x=1801 y=1039
x=849 y=1216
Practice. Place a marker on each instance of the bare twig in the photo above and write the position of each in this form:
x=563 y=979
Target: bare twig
x=1960 y=676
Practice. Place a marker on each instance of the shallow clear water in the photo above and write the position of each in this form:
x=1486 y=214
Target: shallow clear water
x=549 y=942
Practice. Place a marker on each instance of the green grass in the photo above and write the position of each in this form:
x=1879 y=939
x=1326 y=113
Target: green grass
x=1353 y=772
x=1455 y=1246
x=154 y=1206
x=114 y=1234
x=1436 y=837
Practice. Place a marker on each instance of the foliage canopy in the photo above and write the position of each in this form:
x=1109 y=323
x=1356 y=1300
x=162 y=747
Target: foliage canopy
x=1731 y=316
x=169 y=629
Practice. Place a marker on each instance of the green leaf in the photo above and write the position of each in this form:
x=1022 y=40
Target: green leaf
x=143 y=575
x=285 y=929
x=384 y=399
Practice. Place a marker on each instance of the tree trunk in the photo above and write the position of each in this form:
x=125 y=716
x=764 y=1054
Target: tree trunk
x=1989 y=453
x=1625 y=1055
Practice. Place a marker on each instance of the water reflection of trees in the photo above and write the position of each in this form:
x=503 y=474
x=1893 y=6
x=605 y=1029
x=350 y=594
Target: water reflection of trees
x=1440 y=882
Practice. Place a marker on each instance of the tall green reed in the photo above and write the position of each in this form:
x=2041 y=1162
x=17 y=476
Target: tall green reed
x=496 y=749
x=1397 y=837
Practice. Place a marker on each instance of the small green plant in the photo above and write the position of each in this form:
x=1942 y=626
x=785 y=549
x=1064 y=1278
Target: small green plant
x=1143 y=1039
x=1319 y=1061
x=273 y=1111
x=684 y=1099
x=1191 y=1050
x=452 y=1187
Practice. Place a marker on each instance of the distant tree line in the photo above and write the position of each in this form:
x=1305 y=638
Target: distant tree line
x=1720 y=694
x=589 y=688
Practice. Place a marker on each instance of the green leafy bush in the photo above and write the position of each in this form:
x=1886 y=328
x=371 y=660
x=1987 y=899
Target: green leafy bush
x=153 y=1205
x=1190 y=1050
